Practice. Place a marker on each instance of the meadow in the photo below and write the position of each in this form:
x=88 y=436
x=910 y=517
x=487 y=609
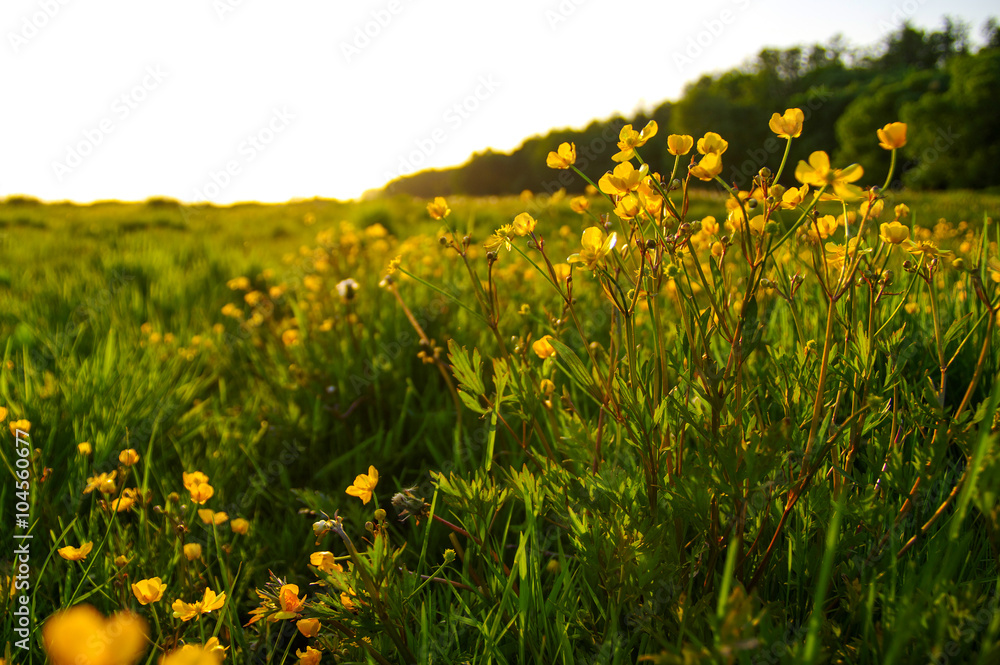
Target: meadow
x=655 y=423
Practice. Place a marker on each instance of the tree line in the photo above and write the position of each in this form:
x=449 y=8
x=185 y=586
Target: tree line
x=945 y=90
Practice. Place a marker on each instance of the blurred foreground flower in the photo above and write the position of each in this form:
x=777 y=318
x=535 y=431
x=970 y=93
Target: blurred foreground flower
x=82 y=636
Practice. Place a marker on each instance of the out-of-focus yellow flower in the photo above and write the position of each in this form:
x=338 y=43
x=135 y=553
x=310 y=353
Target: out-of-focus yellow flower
x=563 y=158
x=789 y=125
x=679 y=144
x=202 y=493
x=364 y=485
x=73 y=637
x=239 y=284
x=209 y=603
x=892 y=136
x=291 y=604
x=543 y=348
x=23 y=425
x=192 y=551
x=84 y=448
x=894 y=233
x=3 y=413
x=313 y=283
x=71 y=553
x=308 y=627
x=993 y=265
x=240 y=526
x=872 y=211
x=624 y=179
x=580 y=204
x=290 y=337
x=838 y=254
x=193 y=479
x=629 y=140
x=438 y=208
x=253 y=298
x=121 y=561
x=926 y=248
x=209 y=516
x=229 y=309
x=103 y=482
x=128 y=457
x=902 y=211
x=817 y=172
x=712 y=144
x=911 y=308
x=308 y=657
x=596 y=246
x=524 y=224
x=149 y=590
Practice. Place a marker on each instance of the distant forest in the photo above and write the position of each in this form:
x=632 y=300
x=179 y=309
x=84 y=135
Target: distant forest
x=946 y=91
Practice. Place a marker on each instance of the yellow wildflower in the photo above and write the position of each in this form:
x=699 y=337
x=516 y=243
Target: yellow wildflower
x=892 y=136
x=596 y=246
x=308 y=657
x=542 y=348
x=69 y=637
x=71 y=553
x=308 y=627
x=709 y=166
x=817 y=172
x=240 y=526
x=209 y=516
x=679 y=144
x=789 y=125
x=563 y=158
x=128 y=457
x=524 y=224
x=629 y=140
x=192 y=551
x=149 y=590
x=712 y=144
x=84 y=448
x=326 y=562
x=291 y=604
x=210 y=602
x=580 y=204
x=894 y=233
x=438 y=208
x=364 y=485
x=23 y=425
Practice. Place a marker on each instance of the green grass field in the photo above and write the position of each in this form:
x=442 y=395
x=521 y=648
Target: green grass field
x=685 y=473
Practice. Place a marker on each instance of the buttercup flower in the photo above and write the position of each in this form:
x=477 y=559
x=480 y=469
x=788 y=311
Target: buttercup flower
x=712 y=144
x=210 y=602
x=209 y=516
x=68 y=637
x=679 y=144
x=23 y=425
x=290 y=337
x=364 y=485
x=892 y=136
x=789 y=125
x=239 y=284
x=542 y=348
x=902 y=211
x=817 y=172
x=84 y=448
x=71 y=553
x=596 y=246
x=629 y=140
x=240 y=526
x=103 y=482
x=524 y=224
x=308 y=627
x=580 y=204
x=308 y=657
x=624 y=179
x=438 y=208
x=926 y=248
x=148 y=591
x=794 y=196
x=3 y=413
x=894 y=233
x=291 y=604
x=128 y=457
x=202 y=493
x=709 y=167
x=563 y=158
x=193 y=479
x=325 y=561
x=192 y=551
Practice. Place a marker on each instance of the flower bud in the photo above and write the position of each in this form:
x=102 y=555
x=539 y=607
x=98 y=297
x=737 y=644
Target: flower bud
x=380 y=515
x=764 y=173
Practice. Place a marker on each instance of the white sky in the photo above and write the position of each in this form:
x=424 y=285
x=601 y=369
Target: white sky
x=128 y=99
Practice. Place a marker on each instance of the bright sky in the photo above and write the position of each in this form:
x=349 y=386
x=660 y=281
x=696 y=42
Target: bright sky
x=236 y=100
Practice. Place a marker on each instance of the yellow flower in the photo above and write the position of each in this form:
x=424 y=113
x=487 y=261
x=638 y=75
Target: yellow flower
x=926 y=248
x=563 y=158
x=193 y=479
x=124 y=502
x=308 y=657
x=629 y=140
x=313 y=283
x=308 y=627
x=817 y=172
x=712 y=144
x=438 y=208
x=209 y=516
x=3 y=413
x=128 y=457
x=290 y=337
x=679 y=144
x=187 y=611
x=624 y=179
x=84 y=448
x=348 y=604
x=202 y=493
x=240 y=526
x=902 y=211
x=326 y=562
x=524 y=224
x=993 y=265
x=253 y=298
x=894 y=233
x=892 y=136
x=23 y=425
x=838 y=254
x=149 y=590
x=103 y=482
x=873 y=210
x=82 y=636
x=580 y=204
x=709 y=166
x=542 y=348
x=192 y=551
x=121 y=561
x=71 y=553
x=788 y=126
x=628 y=206
x=239 y=284
x=291 y=604
x=596 y=246
x=210 y=653
x=364 y=485
x=794 y=196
